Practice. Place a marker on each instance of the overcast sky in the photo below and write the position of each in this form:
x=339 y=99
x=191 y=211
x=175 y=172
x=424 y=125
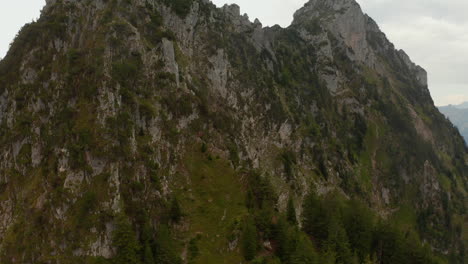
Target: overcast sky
x=433 y=32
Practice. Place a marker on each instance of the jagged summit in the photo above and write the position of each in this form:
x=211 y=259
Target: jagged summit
x=347 y=22
x=329 y=10
x=320 y=6
x=344 y=19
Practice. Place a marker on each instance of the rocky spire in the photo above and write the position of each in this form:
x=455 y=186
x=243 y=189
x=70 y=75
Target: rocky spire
x=315 y=8
x=343 y=18
x=348 y=23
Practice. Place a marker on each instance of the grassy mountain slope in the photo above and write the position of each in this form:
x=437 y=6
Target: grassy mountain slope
x=177 y=132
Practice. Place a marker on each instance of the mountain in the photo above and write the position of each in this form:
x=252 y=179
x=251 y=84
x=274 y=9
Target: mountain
x=157 y=131
x=458 y=114
x=462 y=105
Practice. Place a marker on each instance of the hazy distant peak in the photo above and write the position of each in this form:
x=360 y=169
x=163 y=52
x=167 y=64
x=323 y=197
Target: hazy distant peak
x=463 y=105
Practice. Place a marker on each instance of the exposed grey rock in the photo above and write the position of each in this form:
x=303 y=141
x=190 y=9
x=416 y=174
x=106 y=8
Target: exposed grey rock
x=218 y=74
x=16 y=147
x=102 y=247
x=232 y=10
x=29 y=76
x=386 y=195
x=184 y=122
x=3 y=105
x=73 y=181
x=6 y=216
x=421 y=74
x=285 y=132
x=36 y=156
x=421 y=128
x=169 y=58
x=96 y=164
x=346 y=21
x=240 y=23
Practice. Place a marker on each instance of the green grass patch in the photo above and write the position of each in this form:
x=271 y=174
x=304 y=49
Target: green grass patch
x=214 y=204
x=405 y=218
x=367 y=155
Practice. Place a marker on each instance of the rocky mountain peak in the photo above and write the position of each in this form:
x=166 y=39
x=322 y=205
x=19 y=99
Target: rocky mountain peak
x=328 y=11
x=335 y=5
x=346 y=21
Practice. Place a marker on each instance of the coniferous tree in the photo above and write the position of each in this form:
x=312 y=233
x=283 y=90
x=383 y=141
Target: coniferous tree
x=165 y=251
x=328 y=256
x=359 y=226
x=338 y=241
x=369 y=260
x=389 y=244
x=148 y=254
x=304 y=252
x=285 y=239
x=249 y=201
x=249 y=240
x=175 y=212
x=309 y=212
x=355 y=259
x=291 y=212
x=316 y=218
x=146 y=236
x=125 y=242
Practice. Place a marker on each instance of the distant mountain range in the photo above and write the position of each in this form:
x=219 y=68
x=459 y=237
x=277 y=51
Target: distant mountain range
x=458 y=114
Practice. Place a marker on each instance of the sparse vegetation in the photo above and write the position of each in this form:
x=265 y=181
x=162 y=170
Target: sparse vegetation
x=180 y=7
x=99 y=134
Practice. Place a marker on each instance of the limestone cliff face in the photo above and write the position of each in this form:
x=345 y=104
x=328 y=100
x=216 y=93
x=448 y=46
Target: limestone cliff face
x=346 y=21
x=105 y=106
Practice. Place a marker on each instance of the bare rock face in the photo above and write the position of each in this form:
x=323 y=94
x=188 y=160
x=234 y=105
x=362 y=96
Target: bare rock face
x=346 y=21
x=169 y=58
x=420 y=73
x=241 y=22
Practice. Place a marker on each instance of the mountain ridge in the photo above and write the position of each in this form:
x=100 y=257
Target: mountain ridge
x=458 y=116
x=116 y=115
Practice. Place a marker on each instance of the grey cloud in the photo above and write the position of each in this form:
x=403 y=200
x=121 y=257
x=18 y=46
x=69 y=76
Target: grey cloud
x=450 y=10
